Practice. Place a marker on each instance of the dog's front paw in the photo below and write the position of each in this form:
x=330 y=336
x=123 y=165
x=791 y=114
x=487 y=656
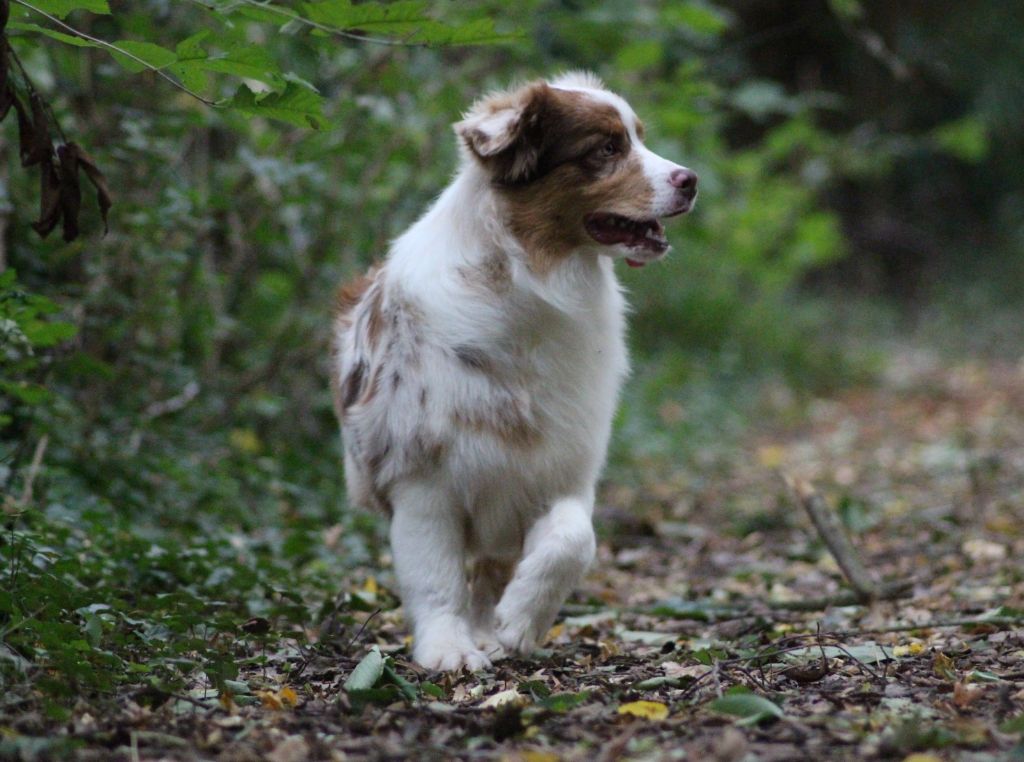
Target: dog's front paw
x=450 y=653
x=518 y=635
x=487 y=641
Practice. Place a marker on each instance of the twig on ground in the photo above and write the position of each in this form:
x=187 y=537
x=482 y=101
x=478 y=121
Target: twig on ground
x=362 y=629
x=828 y=526
x=172 y=404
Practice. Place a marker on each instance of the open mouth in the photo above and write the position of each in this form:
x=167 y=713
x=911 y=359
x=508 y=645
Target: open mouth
x=644 y=237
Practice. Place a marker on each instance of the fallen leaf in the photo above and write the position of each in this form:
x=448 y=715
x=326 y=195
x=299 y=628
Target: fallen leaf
x=538 y=756
x=270 y=700
x=647 y=710
x=750 y=708
x=964 y=695
x=288 y=696
x=771 y=456
x=910 y=649
x=978 y=549
x=944 y=667
x=367 y=672
x=502 y=698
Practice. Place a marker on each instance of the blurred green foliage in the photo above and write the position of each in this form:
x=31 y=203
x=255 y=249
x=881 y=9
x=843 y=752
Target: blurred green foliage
x=176 y=365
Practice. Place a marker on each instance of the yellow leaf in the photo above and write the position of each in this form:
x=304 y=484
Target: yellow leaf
x=771 y=456
x=540 y=756
x=270 y=700
x=647 y=710
x=922 y=758
x=555 y=632
x=944 y=667
x=370 y=586
x=911 y=649
x=288 y=696
x=245 y=440
x=227 y=702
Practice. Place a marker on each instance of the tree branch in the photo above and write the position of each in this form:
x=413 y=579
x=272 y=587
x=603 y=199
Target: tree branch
x=828 y=526
x=112 y=47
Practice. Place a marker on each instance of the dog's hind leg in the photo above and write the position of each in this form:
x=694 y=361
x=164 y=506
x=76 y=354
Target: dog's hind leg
x=558 y=549
x=428 y=545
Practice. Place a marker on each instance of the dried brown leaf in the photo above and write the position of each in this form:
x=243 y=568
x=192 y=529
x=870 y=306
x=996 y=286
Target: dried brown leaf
x=98 y=180
x=49 y=199
x=70 y=191
x=34 y=142
x=6 y=98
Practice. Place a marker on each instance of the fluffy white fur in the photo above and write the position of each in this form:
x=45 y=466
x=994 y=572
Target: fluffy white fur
x=544 y=350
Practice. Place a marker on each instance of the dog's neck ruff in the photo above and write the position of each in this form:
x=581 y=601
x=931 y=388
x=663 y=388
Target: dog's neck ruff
x=465 y=227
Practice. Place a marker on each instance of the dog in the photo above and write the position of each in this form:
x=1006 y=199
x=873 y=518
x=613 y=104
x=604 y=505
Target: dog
x=475 y=372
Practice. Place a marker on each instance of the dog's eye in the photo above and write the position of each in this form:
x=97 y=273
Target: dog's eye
x=610 y=148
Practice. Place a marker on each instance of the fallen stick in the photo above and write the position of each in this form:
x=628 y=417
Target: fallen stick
x=831 y=531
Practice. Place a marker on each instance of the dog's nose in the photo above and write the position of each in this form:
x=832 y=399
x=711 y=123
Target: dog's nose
x=684 y=179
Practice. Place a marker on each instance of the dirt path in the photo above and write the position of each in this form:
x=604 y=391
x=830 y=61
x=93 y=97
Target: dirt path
x=672 y=649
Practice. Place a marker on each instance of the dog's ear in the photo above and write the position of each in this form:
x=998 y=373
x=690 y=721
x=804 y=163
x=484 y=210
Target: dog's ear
x=504 y=132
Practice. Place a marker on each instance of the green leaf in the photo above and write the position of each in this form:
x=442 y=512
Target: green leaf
x=247 y=62
x=966 y=139
x=191 y=57
x=563 y=702
x=26 y=393
x=749 y=707
x=848 y=10
x=396 y=17
x=367 y=672
x=697 y=17
x=386 y=694
x=295 y=105
x=152 y=54
x=78 y=42
x=432 y=689
x=62 y=8
x=48 y=334
x=406 y=20
x=94 y=630
x=1014 y=725
x=407 y=689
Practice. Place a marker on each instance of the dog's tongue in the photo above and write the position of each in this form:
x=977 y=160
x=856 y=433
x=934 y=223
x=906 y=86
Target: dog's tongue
x=634 y=262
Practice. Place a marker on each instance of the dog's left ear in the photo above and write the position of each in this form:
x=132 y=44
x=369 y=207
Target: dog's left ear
x=503 y=132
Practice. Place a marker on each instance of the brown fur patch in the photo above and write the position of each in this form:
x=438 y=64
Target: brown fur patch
x=350 y=389
x=346 y=299
x=349 y=294
x=563 y=134
x=547 y=215
x=375 y=316
x=473 y=358
x=492 y=276
x=507 y=422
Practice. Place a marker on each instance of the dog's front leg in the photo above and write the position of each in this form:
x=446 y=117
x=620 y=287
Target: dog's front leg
x=558 y=549
x=428 y=546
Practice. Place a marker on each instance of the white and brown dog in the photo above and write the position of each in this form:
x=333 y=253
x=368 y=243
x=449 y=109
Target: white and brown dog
x=476 y=371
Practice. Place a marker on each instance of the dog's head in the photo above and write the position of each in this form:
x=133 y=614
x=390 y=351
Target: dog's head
x=568 y=159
